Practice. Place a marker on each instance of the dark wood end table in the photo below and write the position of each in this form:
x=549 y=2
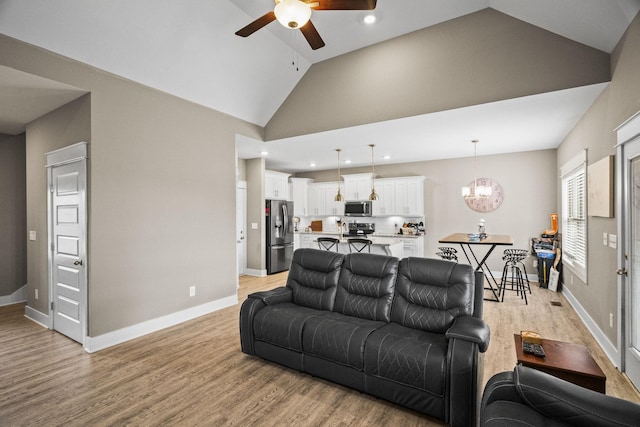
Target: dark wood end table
x=570 y=362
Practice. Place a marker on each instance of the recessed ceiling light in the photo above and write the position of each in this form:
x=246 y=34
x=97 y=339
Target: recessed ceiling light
x=347 y=161
x=312 y=164
x=387 y=157
x=264 y=153
x=369 y=19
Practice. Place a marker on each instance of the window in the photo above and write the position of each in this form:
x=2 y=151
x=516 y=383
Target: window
x=574 y=215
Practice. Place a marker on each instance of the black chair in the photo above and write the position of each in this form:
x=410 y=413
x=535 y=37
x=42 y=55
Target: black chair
x=447 y=253
x=358 y=244
x=512 y=273
x=328 y=243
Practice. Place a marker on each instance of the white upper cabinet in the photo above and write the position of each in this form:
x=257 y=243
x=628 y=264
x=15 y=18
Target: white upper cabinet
x=357 y=186
x=332 y=207
x=385 y=205
x=409 y=196
x=276 y=185
x=317 y=198
x=300 y=195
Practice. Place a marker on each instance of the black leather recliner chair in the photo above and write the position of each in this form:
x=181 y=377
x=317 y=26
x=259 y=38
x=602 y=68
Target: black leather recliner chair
x=527 y=397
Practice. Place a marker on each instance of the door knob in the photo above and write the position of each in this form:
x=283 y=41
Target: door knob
x=621 y=272
x=77 y=262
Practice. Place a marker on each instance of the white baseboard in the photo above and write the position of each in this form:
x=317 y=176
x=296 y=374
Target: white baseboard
x=609 y=349
x=255 y=272
x=18 y=296
x=93 y=344
x=37 y=316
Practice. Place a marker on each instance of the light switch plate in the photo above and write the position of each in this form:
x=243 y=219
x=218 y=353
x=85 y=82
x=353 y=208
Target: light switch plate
x=604 y=239
x=254 y=225
x=32 y=235
x=613 y=241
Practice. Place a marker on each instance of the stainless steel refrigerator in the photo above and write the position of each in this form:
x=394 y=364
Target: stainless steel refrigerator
x=279 y=223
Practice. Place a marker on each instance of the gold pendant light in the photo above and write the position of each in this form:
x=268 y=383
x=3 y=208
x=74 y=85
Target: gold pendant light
x=373 y=195
x=339 y=197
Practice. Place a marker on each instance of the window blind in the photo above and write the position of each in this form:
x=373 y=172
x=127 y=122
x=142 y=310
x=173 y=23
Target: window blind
x=574 y=219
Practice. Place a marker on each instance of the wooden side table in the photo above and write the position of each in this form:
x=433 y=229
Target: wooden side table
x=570 y=362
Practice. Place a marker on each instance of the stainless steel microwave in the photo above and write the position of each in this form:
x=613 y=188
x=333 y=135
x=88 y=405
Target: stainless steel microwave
x=361 y=208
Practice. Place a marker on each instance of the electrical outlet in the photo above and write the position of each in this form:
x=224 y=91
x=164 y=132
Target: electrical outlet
x=254 y=225
x=613 y=241
x=192 y=291
x=604 y=239
x=611 y=320
x=36 y=294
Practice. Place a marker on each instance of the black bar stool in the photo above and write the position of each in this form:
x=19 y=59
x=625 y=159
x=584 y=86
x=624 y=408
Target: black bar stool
x=328 y=243
x=512 y=273
x=358 y=244
x=448 y=254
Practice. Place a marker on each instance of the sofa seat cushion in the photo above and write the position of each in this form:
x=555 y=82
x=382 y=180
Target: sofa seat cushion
x=282 y=324
x=503 y=413
x=408 y=356
x=338 y=338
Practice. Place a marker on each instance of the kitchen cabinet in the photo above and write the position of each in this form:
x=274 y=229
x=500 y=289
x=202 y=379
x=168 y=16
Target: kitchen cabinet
x=409 y=196
x=385 y=205
x=321 y=201
x=300 y=195
x=331 y=206
x=413 y=246
x=357 y=186
x=276 y=185
x=317 y=194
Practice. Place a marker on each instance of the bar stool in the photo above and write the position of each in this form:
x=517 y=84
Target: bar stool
x=358 y=244
x=522 y=254
x=448 y=254
x=328 y=243
x=512 y=274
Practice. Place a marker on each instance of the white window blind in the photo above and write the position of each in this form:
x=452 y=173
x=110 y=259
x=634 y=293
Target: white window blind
x=574 y=215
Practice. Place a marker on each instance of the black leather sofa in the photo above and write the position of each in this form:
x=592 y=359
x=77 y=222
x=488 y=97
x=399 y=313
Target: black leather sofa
x=408 y=331
x=527 y=397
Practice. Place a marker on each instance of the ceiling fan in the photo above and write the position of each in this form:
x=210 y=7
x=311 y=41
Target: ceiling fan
x=297 y=13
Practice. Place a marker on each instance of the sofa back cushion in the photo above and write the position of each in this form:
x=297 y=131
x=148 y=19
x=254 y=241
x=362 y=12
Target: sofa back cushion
x=366 y=286
x=431 y=293
x=313 y=278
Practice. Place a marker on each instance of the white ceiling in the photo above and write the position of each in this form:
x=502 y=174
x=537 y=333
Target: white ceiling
x=188 y=48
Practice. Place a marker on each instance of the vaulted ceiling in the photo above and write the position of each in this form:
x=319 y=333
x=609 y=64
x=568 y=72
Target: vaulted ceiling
x=188 y=48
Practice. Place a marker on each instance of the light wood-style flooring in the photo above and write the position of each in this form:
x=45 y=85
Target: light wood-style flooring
x=195 y=374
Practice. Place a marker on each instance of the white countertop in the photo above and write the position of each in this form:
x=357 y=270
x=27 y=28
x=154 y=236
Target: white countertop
x=346 y=235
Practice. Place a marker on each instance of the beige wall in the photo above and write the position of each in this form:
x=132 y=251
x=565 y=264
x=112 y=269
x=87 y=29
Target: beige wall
x=595 y=132
x=528 y=180
x=162 y=192
x=478 y=58
x=256 y=239
x=13 y=214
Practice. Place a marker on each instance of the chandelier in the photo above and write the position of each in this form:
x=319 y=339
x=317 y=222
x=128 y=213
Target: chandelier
x=475 y=191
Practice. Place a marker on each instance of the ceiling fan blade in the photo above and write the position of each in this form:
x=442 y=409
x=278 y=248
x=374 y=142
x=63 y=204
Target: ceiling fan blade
x=311 y=34
x=265 y=19
x=345 y=5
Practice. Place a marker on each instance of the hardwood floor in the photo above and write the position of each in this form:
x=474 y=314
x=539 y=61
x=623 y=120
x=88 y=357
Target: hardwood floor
x=195 y=373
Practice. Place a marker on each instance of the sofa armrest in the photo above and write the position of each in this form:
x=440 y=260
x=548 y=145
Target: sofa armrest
x=273 y=296
x=570 y=403
x=470 y=329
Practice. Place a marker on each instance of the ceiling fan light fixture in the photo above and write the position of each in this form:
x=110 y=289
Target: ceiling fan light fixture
x=292 y=13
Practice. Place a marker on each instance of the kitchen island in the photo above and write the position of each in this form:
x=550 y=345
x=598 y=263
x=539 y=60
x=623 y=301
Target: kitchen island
x=384 y=245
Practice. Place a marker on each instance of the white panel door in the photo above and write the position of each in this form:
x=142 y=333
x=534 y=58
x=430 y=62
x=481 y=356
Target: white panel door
x=68 y=249
x=631 y=289
x=241 y=223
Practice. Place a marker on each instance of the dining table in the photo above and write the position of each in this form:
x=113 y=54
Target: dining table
x=467 y=241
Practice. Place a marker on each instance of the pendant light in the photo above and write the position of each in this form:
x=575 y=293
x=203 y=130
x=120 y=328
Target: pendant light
x=339 y=197
x=478 y=191
x=373 y=195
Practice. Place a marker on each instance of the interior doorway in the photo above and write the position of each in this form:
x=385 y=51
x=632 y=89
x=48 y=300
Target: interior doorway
x=67 y=231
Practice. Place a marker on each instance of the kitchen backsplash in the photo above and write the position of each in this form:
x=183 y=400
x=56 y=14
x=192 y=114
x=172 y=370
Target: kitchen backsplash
x=384 y=225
